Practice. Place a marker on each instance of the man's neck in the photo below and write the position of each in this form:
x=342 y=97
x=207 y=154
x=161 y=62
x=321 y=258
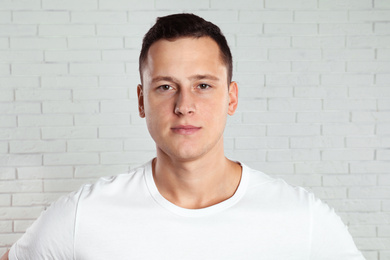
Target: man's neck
x=197 y=183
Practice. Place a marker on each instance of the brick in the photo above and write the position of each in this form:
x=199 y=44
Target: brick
x=59 y=107
x=329 y=167
x=253 y=105
x=22 y=225
x=383 y=104
x=373 y=243
x=17 y=186
x=69 y=132
x=302 y=180
x=245 y=130
x=357 y=206
x=29 y=69
x=320 y=92
x=93 y=43
x=374 y=41
x=120 y=55
x=94 y=145
x=383 y=155
x=66 y=30
x=348 y=54
x=383 y=54
x=308 y=142
x=3 y=147
x=371 y=117
x=302 y=79
x=97 y=68
x=45 y=172
x=98 y=17
x=363 y=231
x=381 y=4
x=268 y=117
x=188 y=4
x=126 y=4
x=69 y=5
x=7 y=173
x=74 y=56
x=369 y=192
x=126 y=157
x=69 y=81
x=17 y=56
x=5 y=226
x=354 y=79
x=264 y=92
x=263 y=41
x=20 y=4
x=293 y=130
x=368 y=142
x=42 y=94
x=21 y=147
x=220 y=4
x=294 y=54
x=274 y=167
x=318 y=66
x=373 y=167
x=323 y=117
x=349 y=104
x=8 y=239
x=250 y=54
x=298 y=104
x=7 y=121
x=321 y=16
x=34 y=199
x=247 y=155
x=349 y=180
x=117 y=30
x=369 y=66
x=18 y=30
x=20 y=160
x=118 y=106
x=19 y=133
x=24 y=43
x=101 y=119
x=70 y=159
x=261 y=143
x=45 y=120
x=383 y=231
x=4 y=69
x=290 y=29
x=265 y=16
x=5 y=17
x=293 y=4
x=345 y=29
x=41 y=17
x=348 y=155
x=370 y=92
x=347 y=4
x=369 y=15
x=293 y=155
x=95 y=171
x=5 y=200
x=383 y=129
x=123 y=131
x=382 y=28
x=6 y=95
x=136 y=144
x=319 y=41
x=384 y=180
x=4 y=43
x=100 y=94
x=330 y=192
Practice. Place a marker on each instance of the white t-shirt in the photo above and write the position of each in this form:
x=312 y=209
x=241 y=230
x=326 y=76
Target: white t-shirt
x=125 y=217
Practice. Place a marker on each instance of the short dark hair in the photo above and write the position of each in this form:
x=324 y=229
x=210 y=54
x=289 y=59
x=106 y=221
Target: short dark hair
x=185 y=25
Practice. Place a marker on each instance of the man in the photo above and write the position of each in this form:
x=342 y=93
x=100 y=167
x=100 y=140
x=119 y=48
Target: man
x=190 y=202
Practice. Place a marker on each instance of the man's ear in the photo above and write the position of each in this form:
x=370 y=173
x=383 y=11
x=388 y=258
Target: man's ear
x=140 y=94
x=233 y=98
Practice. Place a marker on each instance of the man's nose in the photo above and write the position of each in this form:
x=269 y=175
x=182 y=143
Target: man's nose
x=185 y=103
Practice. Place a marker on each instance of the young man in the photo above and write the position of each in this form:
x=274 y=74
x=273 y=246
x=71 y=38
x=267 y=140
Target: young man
x=190 y=202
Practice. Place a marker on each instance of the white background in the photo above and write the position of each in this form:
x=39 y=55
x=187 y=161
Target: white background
x=314 y=108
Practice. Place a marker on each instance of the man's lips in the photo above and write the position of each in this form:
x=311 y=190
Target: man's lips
x=185 y=129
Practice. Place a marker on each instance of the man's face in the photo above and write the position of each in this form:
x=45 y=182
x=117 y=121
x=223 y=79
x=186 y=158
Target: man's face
x=185 y=97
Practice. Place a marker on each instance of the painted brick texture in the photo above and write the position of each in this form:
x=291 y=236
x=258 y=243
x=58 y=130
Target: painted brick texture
x=314 y=108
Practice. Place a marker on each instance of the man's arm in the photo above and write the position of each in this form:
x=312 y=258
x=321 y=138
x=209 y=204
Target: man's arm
x=5 y=256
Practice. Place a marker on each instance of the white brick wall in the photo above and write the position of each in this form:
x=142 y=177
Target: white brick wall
x=314 y=78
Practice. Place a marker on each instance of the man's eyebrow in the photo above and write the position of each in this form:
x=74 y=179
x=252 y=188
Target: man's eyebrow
x=204 y=76
x=163 y=78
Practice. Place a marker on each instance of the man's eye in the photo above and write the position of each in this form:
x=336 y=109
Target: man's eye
x=203 y=86
x=165 y=87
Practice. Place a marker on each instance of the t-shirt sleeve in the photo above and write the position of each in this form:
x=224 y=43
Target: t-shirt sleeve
x=51 y=236
x=330 y=237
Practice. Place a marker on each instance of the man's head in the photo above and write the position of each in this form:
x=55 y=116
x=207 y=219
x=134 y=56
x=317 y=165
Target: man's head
x=176 y=26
